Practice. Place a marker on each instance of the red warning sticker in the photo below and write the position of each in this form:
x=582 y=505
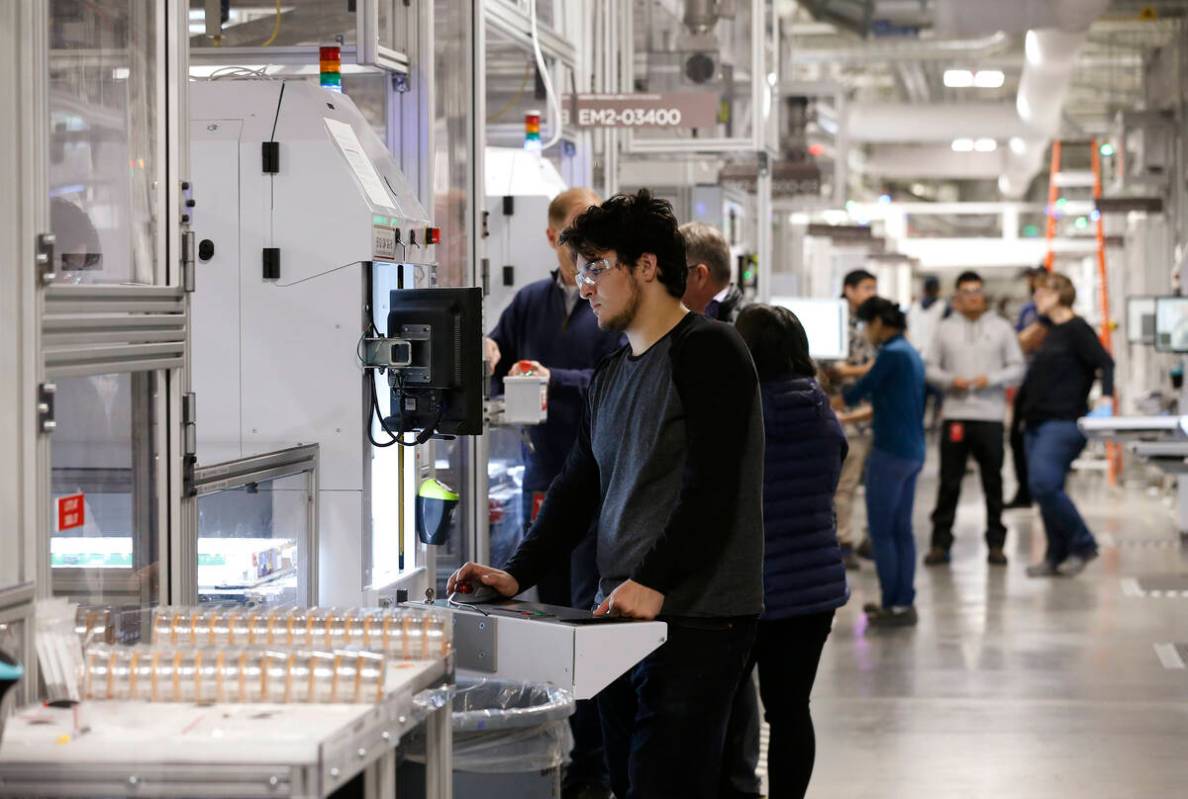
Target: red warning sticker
x=71 y=512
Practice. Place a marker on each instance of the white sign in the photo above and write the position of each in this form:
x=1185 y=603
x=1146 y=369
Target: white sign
x=383 y=243
x=660 y=110
x=360 y=164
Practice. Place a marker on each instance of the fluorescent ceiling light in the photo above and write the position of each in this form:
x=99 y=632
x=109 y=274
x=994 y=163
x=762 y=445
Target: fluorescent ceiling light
x=963 y=145
x=989 y=78
x=959 y=78
x=985 y=145
x=1018 y=146
x=982 y=79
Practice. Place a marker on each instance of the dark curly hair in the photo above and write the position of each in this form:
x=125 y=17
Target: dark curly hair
x=631 y=225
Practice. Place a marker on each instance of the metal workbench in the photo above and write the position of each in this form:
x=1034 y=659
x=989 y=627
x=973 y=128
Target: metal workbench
x=142 y=749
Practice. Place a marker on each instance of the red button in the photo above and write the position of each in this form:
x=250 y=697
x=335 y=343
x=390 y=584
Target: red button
x=432 y=235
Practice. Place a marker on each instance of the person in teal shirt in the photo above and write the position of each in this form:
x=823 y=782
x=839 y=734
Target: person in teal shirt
x=895 y=387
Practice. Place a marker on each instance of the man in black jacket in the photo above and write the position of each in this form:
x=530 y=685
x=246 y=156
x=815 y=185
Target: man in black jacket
x=669 y=463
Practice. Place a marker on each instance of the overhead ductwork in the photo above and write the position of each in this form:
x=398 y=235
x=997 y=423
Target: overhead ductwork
x=931 y=162
x=905 y=49
x=1025 y=128
x=934 y=122
x=1050 y=58
x=1016 y=17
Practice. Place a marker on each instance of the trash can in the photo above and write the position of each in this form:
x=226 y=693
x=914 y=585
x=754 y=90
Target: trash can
x=510 y=741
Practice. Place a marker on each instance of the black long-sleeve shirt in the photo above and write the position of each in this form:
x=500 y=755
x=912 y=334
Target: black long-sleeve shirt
x=669 y=459
x=1062 y=373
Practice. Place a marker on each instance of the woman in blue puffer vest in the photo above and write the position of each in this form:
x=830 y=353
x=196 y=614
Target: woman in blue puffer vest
x=803 y=575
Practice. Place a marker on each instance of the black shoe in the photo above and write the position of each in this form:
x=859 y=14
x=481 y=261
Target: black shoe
x=871 y=608
x=996 y=557
x=850 y=561
x=865 y=549
x=937 y=557
x=894 y=617
x=1020 y=501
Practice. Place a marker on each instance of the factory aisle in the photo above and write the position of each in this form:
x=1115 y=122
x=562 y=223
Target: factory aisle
x=1013 y=686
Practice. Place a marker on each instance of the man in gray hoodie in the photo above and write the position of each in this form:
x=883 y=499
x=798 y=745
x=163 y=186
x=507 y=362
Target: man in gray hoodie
x=973 y=358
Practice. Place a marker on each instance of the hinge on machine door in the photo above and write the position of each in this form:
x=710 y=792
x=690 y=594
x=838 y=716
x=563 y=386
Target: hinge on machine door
x=46 y=392
x=189 y=441
x=45 y=259
x=187 y=260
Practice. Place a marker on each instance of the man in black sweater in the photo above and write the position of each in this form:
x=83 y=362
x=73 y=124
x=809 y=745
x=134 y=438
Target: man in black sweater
x=669 y=464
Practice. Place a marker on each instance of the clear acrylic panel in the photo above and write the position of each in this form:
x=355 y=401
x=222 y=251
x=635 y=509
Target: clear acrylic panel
x=252 y=23
x=453 y=459
x=103 y=537
x=452 y=163
x=369 y=92
x=253 y=543
x=105 y=164
x=506 y=505
x=451 y=156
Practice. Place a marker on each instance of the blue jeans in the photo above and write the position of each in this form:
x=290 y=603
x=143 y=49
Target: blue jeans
x=664 y=721
x=890 y=497
x=1052 y=446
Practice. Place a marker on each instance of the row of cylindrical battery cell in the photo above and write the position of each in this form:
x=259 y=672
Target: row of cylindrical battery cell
x=235 y=675
x=400 y=633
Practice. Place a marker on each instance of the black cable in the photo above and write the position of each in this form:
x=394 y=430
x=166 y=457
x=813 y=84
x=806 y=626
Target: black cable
x=280 y=99
x=376 y=411
x=398 y=436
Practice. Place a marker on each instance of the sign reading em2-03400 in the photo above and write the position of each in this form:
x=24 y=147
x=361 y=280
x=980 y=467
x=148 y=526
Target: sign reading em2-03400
x=662 y=110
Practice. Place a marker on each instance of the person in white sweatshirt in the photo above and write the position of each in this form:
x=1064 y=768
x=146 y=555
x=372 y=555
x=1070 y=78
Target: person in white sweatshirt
x=973 y=357
x=923 y=317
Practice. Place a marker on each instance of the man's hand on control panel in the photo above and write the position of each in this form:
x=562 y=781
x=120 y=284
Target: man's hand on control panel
x=632 y=601
x=474 y=574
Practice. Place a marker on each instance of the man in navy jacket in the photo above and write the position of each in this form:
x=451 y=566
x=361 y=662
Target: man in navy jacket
x=548 y=325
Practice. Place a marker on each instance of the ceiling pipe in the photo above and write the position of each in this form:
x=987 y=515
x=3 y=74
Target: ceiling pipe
x=935 y=122
x=906 y=49
x=1049 y=59
x=1025 y=129
x=931 y=162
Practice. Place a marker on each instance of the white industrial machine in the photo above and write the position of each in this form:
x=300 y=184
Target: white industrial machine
x=571 y=649
x=302 y=218
x=520 y=185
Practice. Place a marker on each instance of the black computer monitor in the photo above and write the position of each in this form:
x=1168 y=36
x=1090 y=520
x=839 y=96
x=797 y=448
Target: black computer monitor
x=1171 y=324
x=442 y=388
